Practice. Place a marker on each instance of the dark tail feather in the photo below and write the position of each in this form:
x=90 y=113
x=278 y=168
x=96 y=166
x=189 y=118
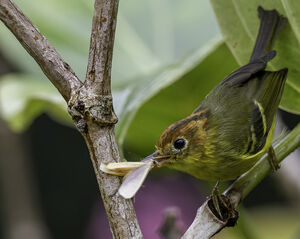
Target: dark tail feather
x=271 y=24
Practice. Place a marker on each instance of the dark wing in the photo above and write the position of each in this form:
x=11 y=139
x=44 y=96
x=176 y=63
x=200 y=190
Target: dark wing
x=242 y=107
x=242 y=114
x=244 y=73
x=268 y=95
x=269 y=89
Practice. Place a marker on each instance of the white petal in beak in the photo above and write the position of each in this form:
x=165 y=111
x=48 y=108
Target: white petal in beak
x=134 y=173
x=120 y=169
x=134 y=180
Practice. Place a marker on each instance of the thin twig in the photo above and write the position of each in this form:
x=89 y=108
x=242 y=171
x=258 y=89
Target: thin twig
x=206 y=224
x=54 y=67
x=101 y=47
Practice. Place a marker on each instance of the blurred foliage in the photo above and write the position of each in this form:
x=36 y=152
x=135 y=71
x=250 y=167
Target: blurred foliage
x=239 y=24
x=267 y=223
x=23 y=100
x=150 y=37
x=168 y=55
x=178 y=100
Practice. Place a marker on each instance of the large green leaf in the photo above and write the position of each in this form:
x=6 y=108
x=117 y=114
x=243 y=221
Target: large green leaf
x=150 y=37
x=129 y=100
x=22 y=98
x=179 y=99
x=66 y=24
x=239 y=24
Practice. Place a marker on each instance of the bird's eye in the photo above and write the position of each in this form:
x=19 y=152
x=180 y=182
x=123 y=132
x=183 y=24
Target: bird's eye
x=179 y=144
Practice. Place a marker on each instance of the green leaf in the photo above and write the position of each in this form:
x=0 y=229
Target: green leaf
x=239 y=24
x=180 y=98
x=132 y=97
x=23 y=97
x=150 y=36
x=66 y=24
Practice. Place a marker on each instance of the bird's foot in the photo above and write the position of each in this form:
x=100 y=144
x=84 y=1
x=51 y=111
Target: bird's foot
x=221 y=207
x=272 y=159
x=218 y=201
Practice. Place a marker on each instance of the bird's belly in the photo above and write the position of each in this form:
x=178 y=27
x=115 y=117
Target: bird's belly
x=218 y=169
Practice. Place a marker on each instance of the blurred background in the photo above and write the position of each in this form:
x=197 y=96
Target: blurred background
x=168 y=55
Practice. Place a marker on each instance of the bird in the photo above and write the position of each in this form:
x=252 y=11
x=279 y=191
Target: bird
x=231 y=128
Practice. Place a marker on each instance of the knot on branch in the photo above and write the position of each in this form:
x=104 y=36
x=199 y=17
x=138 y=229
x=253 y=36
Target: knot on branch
x=101 y=110
x=84 y=107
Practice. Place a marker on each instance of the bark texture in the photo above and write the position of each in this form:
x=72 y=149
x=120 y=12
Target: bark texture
x=89 y=104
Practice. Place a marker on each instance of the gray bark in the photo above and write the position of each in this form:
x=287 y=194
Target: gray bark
x=89 y=104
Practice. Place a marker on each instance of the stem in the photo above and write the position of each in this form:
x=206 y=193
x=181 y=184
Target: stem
x=98 y=74
x=120 y=212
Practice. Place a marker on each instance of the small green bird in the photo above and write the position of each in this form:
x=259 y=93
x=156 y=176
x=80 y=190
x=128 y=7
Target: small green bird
x=233 y=126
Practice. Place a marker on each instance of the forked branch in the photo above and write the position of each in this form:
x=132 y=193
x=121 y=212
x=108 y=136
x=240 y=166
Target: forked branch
x=89 y=104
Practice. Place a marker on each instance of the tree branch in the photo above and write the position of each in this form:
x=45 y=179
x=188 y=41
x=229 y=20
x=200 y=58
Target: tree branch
x=92 y=110
x=57 y=70
x=206 y=224
x=89 y=104
x=101 y=47
x=97 y=88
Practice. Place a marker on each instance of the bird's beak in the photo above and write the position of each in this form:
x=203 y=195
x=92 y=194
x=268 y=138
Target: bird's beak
x=151 y=156
x=157 y=158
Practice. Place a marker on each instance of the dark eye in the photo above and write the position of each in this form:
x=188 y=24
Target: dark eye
x=179 y=143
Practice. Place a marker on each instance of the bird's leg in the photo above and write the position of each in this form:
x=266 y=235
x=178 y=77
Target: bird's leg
x=222 y=208
x=272 y=159
x=218 y=200
x=215 y=199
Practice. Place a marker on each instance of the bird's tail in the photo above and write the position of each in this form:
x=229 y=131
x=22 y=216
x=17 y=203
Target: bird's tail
x=271 y=24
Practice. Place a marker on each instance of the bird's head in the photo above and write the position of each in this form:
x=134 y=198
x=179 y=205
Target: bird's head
x=181 y=140
x=180 y=143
